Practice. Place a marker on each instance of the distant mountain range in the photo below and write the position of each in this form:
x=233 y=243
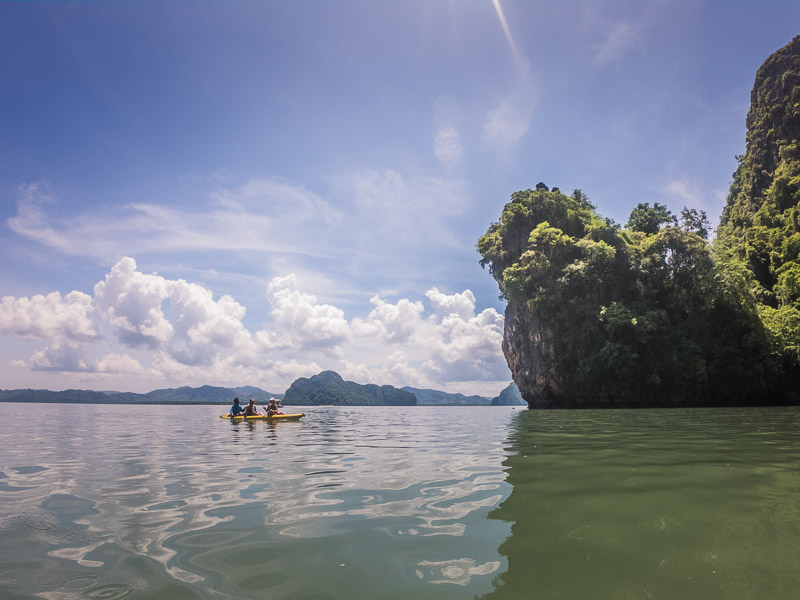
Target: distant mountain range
x=206 y=394
x=437 y=398
x=326 y=388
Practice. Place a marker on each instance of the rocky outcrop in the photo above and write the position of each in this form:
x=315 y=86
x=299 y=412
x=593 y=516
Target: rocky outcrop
x=328 y=387
x=529 y=352
x=510 y=396
x=604 y=316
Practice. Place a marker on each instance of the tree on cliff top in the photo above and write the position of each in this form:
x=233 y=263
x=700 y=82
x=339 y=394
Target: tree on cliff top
x=600 y=314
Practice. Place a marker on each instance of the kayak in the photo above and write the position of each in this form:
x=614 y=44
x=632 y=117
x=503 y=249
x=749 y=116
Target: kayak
x=290 y=417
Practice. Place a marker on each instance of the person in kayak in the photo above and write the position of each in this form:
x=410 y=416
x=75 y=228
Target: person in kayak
x=250 y=410
x=272 y=408
x=236 y=409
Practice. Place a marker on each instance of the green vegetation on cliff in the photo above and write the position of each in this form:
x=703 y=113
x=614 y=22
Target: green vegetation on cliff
x=759 y=232
x=329 y=388
x=601 y=315
x=649 y=314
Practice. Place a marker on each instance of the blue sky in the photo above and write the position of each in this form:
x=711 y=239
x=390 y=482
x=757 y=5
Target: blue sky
x=248 y=192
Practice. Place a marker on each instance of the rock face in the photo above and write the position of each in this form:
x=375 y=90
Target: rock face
x=760 y=225
x=604 y=316
x=529 y=352
x=773 y=122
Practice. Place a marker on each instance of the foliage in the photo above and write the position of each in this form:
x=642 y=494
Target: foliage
x=760 y=225
x=649 y=219
x=634 y=313
x=329 y=388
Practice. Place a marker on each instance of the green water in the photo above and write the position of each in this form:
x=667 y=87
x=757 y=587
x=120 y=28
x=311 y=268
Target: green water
x=701 y=503
x=172 y=502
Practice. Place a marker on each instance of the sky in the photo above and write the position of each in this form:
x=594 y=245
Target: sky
x=244 y=193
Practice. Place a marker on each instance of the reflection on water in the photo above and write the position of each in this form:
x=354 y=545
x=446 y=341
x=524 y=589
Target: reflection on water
x=172 y=502
x=168 y=502
x=652 y=504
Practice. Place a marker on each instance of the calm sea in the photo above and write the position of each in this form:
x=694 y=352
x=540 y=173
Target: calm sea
x=171 y=502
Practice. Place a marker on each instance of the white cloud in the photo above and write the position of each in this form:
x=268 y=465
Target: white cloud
x=467 y=349
x=132 y=302
x=60 y=357
x=268 y=215
x=186 y=337
x=119 y=364
x=391 y=322
x=462 y=304
x=301 y=322
x=50 y=317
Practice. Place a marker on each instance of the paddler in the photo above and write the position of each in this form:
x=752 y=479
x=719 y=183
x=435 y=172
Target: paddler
x=236 y=409
x=250 y=410
x=272 y=408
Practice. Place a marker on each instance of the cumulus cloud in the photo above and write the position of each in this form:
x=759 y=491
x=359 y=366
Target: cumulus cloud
x=467 y=348
x=462 y=304
x=391 y=322
x=182 y=334
x=60 y=357
x=450 y=344
x=69 y=358
x=119 y=364
x=49 y=317
x=303 y=323
x=132 y=302
x=197 y=326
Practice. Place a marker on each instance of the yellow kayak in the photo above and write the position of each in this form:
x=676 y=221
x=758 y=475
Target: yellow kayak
x=290 y=417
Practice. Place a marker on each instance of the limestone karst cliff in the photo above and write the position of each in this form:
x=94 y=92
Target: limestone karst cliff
x=649 y=314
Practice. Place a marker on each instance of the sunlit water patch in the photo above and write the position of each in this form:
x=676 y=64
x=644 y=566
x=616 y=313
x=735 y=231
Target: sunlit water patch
x=173 y=502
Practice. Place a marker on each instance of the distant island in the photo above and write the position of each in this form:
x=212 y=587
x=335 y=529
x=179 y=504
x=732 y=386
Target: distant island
x=329 y=388
x=326 y=388
x=510 y=396
x=651 y=313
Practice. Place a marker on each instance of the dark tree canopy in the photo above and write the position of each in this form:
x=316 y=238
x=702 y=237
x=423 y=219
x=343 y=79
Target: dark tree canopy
x=649 y=219
x=621 y=316
x=759 y=232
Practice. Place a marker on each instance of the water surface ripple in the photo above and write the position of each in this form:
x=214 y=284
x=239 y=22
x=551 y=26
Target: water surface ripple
x=171 y=502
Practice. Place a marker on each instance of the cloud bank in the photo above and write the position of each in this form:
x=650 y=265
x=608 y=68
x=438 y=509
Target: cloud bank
x=175 y=332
